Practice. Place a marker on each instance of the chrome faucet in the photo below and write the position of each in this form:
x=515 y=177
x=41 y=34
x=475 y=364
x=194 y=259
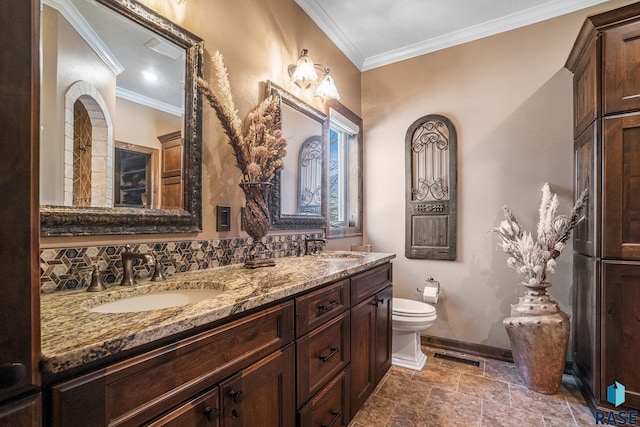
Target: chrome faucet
x=128 y=257
x=315 y=242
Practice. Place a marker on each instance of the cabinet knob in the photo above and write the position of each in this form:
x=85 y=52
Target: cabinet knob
x=236 y=396
x=211 y=414
x=11 y=374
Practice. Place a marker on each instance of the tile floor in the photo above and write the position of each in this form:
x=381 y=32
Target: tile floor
x=451 y=394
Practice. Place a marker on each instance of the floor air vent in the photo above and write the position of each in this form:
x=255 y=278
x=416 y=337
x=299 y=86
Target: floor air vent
x=457 y=359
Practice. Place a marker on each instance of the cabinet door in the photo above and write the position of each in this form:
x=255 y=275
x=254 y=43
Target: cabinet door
x=621 y=341
x=586 y=318
x=585 y=89
x=363 y=334
x=621 y=68
x=586 y=154
x=263 y=394
x=621 y=188
x=383 y=332
x=203 y=411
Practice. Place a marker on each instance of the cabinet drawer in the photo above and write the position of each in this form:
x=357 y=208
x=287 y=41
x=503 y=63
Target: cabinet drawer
x=368 y=283
x=138 y=389
x=330 y=407
x=322 y=353
x=317 y=307
x=201 y=411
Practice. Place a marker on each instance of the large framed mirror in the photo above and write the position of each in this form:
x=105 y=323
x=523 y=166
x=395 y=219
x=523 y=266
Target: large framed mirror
x=298 y=197
x=121 y=128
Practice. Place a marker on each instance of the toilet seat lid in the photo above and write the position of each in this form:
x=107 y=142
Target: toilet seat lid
x=407 y=307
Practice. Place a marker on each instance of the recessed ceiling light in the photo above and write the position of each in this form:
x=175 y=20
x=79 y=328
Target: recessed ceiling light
x=150 y=76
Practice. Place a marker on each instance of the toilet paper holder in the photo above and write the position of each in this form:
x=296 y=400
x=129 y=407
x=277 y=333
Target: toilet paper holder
x=431 y=282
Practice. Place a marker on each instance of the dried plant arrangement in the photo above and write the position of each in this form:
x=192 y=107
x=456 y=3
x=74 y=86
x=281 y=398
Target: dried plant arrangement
x=258 y=144
x=536 y=259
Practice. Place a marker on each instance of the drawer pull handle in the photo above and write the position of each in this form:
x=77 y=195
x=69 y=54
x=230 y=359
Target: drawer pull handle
x=211 y=414
x=236 y=396
x=333 y=352
x=336 y=417
x=325 y=307
x=375 y=301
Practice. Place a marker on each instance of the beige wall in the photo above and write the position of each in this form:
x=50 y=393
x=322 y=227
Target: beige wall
x=510 y=98
x=258 y=39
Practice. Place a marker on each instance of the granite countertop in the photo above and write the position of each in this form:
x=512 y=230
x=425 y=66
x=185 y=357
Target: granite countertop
x=73 y=336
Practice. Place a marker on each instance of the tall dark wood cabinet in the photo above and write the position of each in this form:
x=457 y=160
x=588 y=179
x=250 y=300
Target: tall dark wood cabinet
x=605 y=60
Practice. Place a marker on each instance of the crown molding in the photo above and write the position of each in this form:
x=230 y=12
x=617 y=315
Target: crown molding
x=82 y=27
x=148 y=102
x=495 y=26
x=326 y=24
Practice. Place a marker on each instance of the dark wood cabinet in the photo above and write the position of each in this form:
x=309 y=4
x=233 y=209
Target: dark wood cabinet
x=586 y=101
x=621 y=327
x=621 y=191
x=138 y=389
x=621 y=68
x=587 y=175
x=370 y=332
x=262 y=394
x=330 y=407
x=19 y=217
x=605 y=61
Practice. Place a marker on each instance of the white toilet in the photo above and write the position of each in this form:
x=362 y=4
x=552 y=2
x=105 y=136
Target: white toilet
x=409 y=317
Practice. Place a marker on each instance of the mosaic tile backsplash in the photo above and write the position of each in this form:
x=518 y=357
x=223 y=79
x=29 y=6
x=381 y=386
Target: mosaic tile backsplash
x=59 y=266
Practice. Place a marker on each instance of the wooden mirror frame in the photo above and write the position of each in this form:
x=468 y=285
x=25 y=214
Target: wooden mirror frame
x=84 y=221
x=280 y=221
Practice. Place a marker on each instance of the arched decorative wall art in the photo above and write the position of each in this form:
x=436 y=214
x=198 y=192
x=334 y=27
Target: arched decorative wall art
x=431 y=189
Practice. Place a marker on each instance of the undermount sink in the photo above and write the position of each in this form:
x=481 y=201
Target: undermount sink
x=338 y=256
x=156 y=301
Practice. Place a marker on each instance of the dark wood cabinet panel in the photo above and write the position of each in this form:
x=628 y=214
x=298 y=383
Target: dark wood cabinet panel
x=19 y=217
x=587 y=175
x=25 y=412
x=621 y=327
x=368 y=283
x=384 y=300
x=315 y=308
x=585 y=88
x=330 y=407
x=203 y=411
x=171 y=171
x=263 y=394
x=586 y=327
x=322 y=353
x=363 y=351
x=621 y=68
x=621 y=188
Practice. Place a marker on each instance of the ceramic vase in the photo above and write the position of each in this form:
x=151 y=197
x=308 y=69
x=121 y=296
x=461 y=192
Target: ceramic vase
x=539 y=334
x=257 y=220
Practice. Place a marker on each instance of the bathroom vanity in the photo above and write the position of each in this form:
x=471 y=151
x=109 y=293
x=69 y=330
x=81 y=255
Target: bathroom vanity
x=302 y=343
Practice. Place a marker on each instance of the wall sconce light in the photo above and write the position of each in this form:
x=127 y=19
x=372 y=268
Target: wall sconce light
x=303 y=74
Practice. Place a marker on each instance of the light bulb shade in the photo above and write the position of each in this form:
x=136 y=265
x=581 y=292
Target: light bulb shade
x=304 y=73
x=327 y=88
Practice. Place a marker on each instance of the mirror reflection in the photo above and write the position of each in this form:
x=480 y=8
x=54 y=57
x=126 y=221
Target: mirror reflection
x=121 y=126
x=299 y=189
x=107 y=83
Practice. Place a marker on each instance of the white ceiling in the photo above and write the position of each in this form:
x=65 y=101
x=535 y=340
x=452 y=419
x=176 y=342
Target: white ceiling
x=373 y=33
